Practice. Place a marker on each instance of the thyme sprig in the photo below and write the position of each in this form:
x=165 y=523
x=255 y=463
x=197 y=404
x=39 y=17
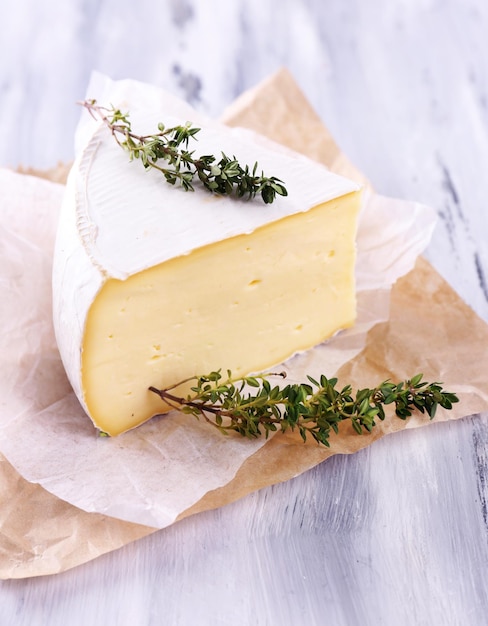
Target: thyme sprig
x=252 y=406
x=170 y=145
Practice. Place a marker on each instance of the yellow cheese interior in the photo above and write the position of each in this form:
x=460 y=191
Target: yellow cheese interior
x=245 y=304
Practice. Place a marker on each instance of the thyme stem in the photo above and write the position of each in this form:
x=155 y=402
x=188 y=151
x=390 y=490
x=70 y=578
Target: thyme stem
x=225 y=176
x=251 y=406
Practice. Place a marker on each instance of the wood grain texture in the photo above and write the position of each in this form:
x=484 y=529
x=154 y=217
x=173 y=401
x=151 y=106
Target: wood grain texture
x=397 y=533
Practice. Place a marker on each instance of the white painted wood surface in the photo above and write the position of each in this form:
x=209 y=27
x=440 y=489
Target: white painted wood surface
x=398 y=533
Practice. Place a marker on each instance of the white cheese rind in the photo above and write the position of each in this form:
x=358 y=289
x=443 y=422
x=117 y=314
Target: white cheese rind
x=76 y=281
x=119 y=219
x=130 y=218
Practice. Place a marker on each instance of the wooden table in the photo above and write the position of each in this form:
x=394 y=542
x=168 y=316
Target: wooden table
x=398 y=533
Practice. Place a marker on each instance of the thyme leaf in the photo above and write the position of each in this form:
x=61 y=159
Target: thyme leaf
x=253 y=406
x=167 y=151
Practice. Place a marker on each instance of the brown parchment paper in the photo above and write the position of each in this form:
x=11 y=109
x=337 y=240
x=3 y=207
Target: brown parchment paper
x=41 y=534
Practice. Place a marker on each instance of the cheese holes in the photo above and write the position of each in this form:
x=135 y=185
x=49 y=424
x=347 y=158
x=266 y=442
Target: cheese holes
x=157 y=348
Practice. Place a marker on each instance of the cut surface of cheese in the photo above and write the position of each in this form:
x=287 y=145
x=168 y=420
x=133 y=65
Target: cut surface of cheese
x=152 y=285
x=245 y=303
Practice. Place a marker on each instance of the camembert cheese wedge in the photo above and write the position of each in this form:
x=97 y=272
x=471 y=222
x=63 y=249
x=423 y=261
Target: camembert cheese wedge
x=153 y=285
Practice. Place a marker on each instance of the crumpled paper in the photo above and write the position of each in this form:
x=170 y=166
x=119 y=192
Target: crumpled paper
x=37 y=401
